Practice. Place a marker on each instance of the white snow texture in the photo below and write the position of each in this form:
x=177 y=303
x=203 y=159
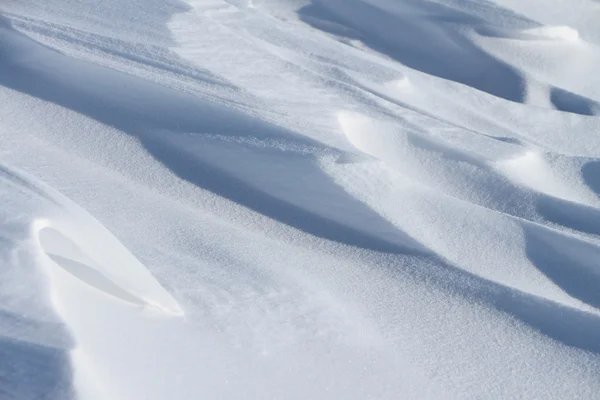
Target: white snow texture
x=299 y=199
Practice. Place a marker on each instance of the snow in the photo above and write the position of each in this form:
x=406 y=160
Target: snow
x=295 y=199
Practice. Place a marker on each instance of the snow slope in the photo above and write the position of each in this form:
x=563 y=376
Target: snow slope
x=294 y=199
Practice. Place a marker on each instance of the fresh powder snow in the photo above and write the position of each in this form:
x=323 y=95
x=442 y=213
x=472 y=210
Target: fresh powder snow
x=299 y=199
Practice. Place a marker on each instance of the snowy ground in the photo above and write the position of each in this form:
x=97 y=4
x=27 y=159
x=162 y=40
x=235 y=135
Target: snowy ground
x=295 y=199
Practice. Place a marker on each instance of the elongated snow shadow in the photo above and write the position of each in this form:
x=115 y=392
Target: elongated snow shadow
x=591 y=176
x=31 y=371
x=567 y=101
x=572 y=264
x=567 y=325
x=156 y=115
x=35 y=345
x=422 y=35
x=564 y=324
x=571 y=215
x=217 y=180
x=66 y=254
x=35 y=360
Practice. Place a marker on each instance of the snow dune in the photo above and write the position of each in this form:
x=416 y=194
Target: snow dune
x=358 y=199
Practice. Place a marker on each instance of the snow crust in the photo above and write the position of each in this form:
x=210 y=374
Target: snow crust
x=295 y=199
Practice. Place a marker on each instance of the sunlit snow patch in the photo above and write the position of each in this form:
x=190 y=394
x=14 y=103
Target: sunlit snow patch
x=403 y=84
x=530 y=170
x=554 y=32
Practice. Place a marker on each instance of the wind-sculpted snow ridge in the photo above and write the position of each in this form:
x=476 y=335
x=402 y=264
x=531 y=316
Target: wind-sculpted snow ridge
x=299 y=199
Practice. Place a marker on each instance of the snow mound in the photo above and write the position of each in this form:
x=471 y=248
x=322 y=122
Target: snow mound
x=531 y=170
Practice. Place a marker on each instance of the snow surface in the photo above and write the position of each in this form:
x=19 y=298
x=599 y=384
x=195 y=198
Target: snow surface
x=294 y=199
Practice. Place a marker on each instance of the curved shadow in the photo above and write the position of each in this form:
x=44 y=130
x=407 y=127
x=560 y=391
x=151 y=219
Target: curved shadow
x=572 y=264
x=571 y=215
x=31 y=371
x=591 y=176
x=420 y=35
x=95 y=279
x=567 y=325
x=574 y=103
x=35 y=360
x=67 y=255
x=210 y=176
x=572 y=327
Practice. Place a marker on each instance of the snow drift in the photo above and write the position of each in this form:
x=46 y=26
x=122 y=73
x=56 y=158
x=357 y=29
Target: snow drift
x=299 y=199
